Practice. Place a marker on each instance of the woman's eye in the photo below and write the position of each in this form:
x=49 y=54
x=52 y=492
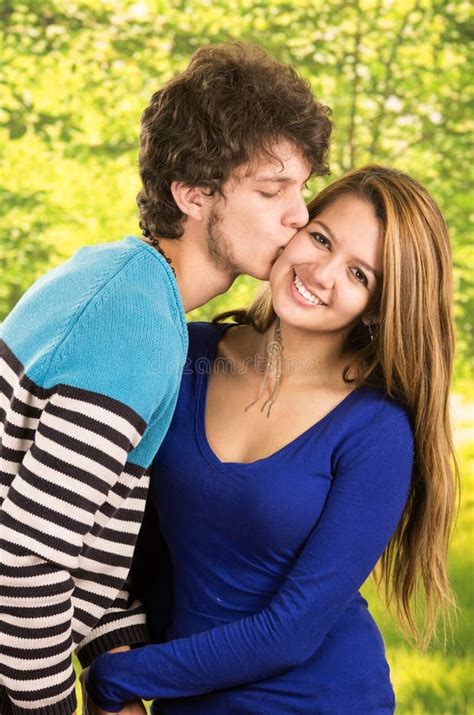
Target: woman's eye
x=319 y=238
x=360 y=276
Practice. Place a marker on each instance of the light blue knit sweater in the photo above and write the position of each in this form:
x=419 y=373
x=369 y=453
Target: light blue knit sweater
x=90 y=365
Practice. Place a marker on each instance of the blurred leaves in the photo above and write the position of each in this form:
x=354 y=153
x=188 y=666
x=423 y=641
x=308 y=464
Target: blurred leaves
x=24 y=250
x=76 y=75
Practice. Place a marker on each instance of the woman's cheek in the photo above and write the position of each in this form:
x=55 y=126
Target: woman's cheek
x=279 y=269
x=356 y=301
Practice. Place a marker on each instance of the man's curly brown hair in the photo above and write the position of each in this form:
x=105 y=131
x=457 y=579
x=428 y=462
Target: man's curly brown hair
x=230 y=106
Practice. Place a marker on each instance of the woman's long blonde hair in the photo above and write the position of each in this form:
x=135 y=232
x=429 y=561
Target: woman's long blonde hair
x=411 y=358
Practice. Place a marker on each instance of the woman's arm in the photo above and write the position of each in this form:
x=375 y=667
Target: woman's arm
x=365 y=503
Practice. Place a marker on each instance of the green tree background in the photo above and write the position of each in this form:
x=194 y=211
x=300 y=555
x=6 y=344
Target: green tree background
x=76 y=75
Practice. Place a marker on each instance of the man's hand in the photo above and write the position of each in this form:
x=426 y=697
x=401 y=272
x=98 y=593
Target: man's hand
x=134 y=707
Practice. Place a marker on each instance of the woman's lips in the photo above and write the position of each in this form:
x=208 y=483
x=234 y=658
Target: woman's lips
x=299 y=298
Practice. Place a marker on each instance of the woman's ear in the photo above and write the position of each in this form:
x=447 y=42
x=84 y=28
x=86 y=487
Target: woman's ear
x=371 y=319
x=193 y=201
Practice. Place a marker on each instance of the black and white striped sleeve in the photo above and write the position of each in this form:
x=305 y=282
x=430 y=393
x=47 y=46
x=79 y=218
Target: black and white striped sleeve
x=63 y=477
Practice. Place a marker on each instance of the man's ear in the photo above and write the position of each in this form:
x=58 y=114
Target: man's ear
x=193 y=201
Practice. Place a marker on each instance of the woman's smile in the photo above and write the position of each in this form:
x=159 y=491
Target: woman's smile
x=303 y=295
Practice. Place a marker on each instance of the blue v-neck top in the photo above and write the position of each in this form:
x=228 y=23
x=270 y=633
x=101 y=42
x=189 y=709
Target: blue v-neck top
x=267 y=561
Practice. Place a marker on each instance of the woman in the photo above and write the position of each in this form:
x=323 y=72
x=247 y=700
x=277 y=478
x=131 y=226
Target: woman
x=279 y=492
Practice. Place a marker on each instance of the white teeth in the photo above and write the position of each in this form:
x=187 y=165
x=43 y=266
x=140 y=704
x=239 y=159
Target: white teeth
x=305 y=293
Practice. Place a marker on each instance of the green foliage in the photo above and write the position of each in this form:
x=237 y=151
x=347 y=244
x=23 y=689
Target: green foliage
x=77 y=74
x=24 y=246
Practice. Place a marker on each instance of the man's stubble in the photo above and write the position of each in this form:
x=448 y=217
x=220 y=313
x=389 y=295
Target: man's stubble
x=218 y=245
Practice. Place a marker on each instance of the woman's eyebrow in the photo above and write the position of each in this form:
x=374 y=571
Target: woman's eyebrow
x=356 y=259
x=326 y=228
x=367 y=267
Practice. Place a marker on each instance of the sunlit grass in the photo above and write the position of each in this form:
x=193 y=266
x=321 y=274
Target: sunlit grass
x=439 y=682
x=430 y=683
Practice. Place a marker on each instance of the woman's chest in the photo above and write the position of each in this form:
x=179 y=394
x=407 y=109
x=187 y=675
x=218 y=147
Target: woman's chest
x=270 y=504
x=239 y=431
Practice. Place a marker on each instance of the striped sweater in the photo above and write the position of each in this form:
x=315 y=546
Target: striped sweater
x=90 y=364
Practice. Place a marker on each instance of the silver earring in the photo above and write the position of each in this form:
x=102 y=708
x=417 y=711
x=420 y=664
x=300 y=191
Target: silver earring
x=272 y=369
x=371 y=333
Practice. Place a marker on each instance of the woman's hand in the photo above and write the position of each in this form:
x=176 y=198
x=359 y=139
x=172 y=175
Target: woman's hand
x=134 y=707
x=88 y=707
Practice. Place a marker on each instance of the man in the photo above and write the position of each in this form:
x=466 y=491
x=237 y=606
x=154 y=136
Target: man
x=92 y=355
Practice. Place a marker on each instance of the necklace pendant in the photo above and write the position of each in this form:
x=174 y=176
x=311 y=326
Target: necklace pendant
x=156 y=244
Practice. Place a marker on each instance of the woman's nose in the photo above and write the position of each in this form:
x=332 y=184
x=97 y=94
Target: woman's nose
x=323 y=273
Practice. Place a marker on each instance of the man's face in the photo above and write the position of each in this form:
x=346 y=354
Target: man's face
x=260 y=212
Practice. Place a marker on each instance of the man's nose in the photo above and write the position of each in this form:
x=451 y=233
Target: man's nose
x=297 y=214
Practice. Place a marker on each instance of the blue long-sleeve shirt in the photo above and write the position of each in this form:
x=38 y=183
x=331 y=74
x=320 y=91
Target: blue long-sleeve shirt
x=268 y=559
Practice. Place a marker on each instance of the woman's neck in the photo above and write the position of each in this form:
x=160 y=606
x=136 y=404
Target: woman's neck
x=309 y=358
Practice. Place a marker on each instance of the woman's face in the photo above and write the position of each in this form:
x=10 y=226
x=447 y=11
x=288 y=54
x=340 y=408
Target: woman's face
x=329 y=274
